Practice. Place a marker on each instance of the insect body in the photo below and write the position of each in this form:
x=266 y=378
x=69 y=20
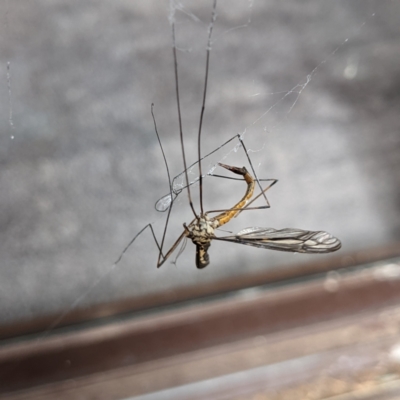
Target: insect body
x=201 y=231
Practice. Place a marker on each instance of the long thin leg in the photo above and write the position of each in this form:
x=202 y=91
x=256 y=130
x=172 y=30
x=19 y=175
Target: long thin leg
x=170 y=189
x=177 y=191
x=203 y=106
x=246 y=208
x=259 y=195
x=165 y=201
x=172 y=249
x=161 y=257
x=134 y=238
x=180 y=118
x=252 y=168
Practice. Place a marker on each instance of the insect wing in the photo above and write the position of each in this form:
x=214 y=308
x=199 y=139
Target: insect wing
x=164 y=203
x=288 y=239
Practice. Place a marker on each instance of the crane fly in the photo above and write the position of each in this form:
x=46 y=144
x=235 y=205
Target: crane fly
x=201 y=230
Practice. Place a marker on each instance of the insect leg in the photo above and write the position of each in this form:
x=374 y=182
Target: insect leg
x=160 y=254
x=246 y=208
x=134 y=238
x=253 y=170
x=170 y=251
x=203 y=105
x=178 y=103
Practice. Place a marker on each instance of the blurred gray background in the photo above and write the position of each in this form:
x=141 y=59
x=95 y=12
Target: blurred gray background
x=314 y=86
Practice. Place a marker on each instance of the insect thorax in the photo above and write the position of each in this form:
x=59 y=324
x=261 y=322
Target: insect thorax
x=201 y=232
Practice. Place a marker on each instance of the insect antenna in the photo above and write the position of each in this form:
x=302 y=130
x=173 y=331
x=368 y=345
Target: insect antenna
x=210 y=29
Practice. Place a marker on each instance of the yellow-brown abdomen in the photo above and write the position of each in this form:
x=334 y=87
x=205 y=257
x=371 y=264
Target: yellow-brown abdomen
x=226 y=216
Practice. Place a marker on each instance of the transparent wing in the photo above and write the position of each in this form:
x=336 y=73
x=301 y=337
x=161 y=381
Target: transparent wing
x=288 y=239
x=164 y=202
